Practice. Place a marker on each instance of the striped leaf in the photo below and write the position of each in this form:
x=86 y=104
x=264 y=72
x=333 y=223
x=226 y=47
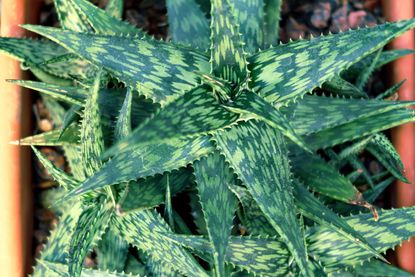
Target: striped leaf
x=92 y=140
x=386 y=154
x=196 y=113
x=258 y=155
x=313 y=114
x=91 y=223
x=188 y=23
x=251 y=104
x=265 y=256
x=323 y=178
x=51 y=138
x=335 y=251
x=64 y=180
x=69 y=17
x=359 y=128
x=147 y=161
x=312 y=208
x=158 y=70
x=377 y=268
x=102 y=22
x=272 y=21
x=228 y=59
x=52 y=269
x=288 y=71
x=250 y=17
x=112 y=251
x=341 y=87
x=218 y=204
x=115 y=8
x=110 y=101
x=145 y=231
x=252 y=218
x=150 y=192
x=123 y=125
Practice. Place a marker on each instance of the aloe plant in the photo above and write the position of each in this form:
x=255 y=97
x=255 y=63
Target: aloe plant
x=226 y=119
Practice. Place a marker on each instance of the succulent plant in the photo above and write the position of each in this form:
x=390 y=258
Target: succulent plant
x=222 y=152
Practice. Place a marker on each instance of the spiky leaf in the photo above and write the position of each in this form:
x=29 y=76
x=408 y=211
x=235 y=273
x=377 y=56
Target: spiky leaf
x=218 y=203
x=258 y=155
x=288 y=71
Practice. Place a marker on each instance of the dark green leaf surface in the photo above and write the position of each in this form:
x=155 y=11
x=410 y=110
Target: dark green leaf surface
x=188 y=23
x=51 y=138
x=323 y=177
x=250 y=16
x=272 y=12
x=102 y=22
x=112 y=251
x=218 y=204
x=359 y=128
x=288 y=71
x=227 y=54
x=161 y=75
x=316 y=113
x=258 y=155
x=150 y=192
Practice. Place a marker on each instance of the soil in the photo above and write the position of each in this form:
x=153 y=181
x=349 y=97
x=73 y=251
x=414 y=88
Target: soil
x=300 y=19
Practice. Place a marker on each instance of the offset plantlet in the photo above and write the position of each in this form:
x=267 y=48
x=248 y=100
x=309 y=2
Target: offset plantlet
x=209 y=128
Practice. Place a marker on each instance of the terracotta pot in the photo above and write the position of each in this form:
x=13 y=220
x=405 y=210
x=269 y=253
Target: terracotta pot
x=404 y=136
x=15 y=166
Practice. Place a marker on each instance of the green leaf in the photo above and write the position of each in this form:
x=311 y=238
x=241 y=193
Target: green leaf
x=115 y=8
x=368 y=71
x=145 y=230
x=272 y=12
x=377 y=268
x=196 y=113
x=250 y=17
x=218 y=204
x=92 y=139
x=381 y=148
x=102 y=22
x=336 y=252
x=390 y=91
x=323 y=178
x=339 y=86
x=58 y=245
x=312 y=208
x=188 y=23
x=64 y=180
x=51 y=138
x=228 y=59
x=147 y=161
x=52 y=269
x=110 y=101
x=91 y=223
x=161 y=75
x=288 y=71
x=259 y=255
x=30 y=50
x=313 y=114
x=69 y=17
x=112 y=251
x=251 y=104
x=258 y=155
x=385 y=57
x=252 y=218
x=150 y=192
x=359 y=128
x=123 y=125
